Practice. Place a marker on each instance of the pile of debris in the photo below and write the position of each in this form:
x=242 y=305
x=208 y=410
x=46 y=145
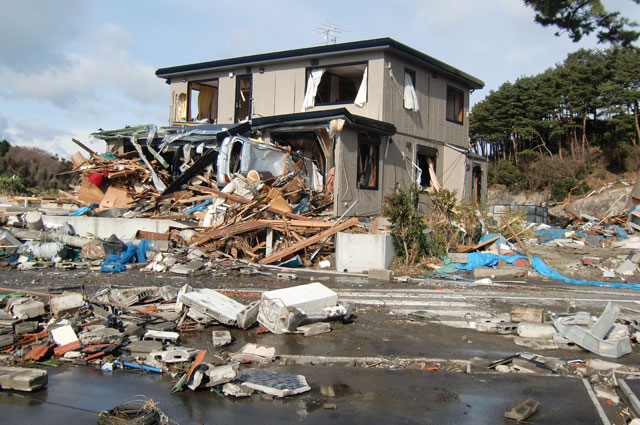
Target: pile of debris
x=238 y=196
x=141 y=328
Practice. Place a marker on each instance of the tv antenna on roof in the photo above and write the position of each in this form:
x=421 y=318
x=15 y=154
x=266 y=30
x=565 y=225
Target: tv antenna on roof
x=329 y=32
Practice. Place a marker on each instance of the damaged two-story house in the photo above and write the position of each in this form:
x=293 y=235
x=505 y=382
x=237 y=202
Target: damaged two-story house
x=369 y=113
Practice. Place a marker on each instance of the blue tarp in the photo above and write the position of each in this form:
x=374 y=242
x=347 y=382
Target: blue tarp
x=131 y=254
x=477 y=259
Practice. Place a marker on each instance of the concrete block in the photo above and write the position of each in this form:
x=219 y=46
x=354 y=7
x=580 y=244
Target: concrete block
x=254 y=353
x=28 y=310
x=603 y=365
x=536 y=330
x=176 y=355
x=22 y=378
x=527 y=314
x=380 y=274
x=222 y=308
x=189 y=268
x=522 y=409
x=101 y=336
x=221 y=338
x=310 y=298
x=283 y=310
x=6 y=340
x=67 y=302
x=627 y=268
x=315 y=329
x=456 y=257
x=287 y=276
x=63 y=335
x=236 y=390
x=221 y=374
x=103 y=227
x=493 y=272
x=144 y=346
x=25 y=327
x=249 y=315
x=162 y=335
x=351 y=257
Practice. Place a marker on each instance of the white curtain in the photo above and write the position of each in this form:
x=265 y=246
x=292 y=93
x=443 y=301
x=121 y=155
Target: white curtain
x=312 y=88
x=432 y=173
x=361 y=98
x=410 y=97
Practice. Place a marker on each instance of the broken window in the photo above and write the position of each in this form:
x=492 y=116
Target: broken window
x=476 y=177
x=336 y=84
x=203 y=101
x=426 y=161
x=368 y=154
x=243 y=98
x=180 y=107
x=410 y=96
x=455 y=103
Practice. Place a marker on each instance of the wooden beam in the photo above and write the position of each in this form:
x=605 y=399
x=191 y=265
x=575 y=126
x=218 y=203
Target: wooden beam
x=241 y=200
x=309 y=241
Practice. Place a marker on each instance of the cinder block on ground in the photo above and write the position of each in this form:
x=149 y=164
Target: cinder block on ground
x=144 y=346
x=67 y=302
x=221 y=338
x=536 y=330
x=101 y=336
x=380 y=274
x=527 y=314
x=22 y=378
x=28 y=310
x=493 y=272
x=522 y=409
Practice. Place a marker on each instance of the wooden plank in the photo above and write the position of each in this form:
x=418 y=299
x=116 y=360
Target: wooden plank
x=89 y=192
x=241 y=200
x=116 y=197
x=309 y=241
x=232 y=230
x=300 y=223
x=466 y=248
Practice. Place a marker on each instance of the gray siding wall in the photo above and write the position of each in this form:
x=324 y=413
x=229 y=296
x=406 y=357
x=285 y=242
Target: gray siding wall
x=279 y=89
x=430 y=121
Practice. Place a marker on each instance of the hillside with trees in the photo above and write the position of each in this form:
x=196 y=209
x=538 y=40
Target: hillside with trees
x=25 y=171
x=550 y=131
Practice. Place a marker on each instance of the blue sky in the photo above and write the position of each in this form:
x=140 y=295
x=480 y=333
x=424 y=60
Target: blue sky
x=69 y=67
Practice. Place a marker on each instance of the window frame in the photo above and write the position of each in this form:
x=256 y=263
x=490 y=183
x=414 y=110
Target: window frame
x=426 y=152
x=327 y=67
x=372 y=142
x=460 y=113
x=190 y=85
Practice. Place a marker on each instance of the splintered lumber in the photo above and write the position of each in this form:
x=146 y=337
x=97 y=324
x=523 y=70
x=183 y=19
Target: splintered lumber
x=467 y=248
x=228 y=231
x=517 y=238
x=241 y=200
x=309 y=241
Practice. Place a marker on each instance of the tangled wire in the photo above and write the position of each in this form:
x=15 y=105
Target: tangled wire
x=139 y=412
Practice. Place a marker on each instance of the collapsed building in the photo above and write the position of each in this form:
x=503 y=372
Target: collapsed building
x=356 y=118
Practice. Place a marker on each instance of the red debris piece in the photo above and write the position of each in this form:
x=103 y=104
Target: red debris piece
x=38 y=352
x=199 y=358
x=72 y=346
x=521 y=262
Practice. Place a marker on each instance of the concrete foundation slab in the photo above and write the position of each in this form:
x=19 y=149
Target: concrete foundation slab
x=22 y=378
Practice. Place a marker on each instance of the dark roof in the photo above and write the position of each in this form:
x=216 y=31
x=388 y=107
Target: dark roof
x=357 y=121
x=320 y=50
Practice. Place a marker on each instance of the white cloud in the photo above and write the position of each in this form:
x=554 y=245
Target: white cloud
x=104 y=69
x=34 y=32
